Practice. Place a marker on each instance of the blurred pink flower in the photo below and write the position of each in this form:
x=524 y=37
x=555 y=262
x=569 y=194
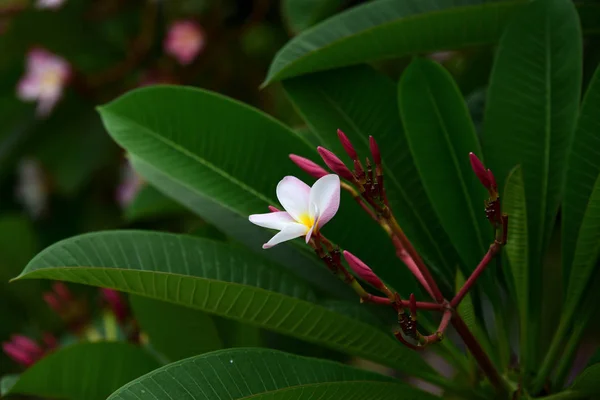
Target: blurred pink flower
x=44 y=80
x=41 y=4
x=32 y=190
x=185 y=40
x=130 y=184
x=26 y=351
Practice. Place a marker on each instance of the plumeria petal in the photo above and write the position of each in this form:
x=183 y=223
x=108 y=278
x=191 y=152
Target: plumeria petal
x=293 y=194
x=273 y=220
x=28 y=89
x=291 y=231
x=325 y=196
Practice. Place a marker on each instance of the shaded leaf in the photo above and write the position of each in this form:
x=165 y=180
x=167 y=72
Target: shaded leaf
x=217 y=278
x=587 y=382
x=532 y=105
x=175 y=331
x=261 y=373
x=441 y=135
x=583 y=166
x=90 y=371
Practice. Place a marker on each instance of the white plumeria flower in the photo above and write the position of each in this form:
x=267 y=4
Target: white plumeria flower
x=44 y=80
x=307 y=208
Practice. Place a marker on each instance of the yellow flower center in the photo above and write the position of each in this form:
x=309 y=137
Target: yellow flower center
x=306 y=220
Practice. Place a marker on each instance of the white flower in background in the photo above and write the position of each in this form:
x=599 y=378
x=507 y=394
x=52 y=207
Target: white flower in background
x=185 y=40
x=130 y=184
x=44 y=80
x=307 y=208
x=31 y=190
x=54 y=4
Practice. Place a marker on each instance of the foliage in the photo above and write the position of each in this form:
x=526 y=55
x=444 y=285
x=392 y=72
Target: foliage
x=139 y=198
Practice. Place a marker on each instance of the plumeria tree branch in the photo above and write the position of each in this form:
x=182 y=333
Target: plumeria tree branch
x=308 y=209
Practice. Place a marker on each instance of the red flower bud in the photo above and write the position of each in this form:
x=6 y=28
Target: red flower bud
x=53 y=301
x=62 y=291
x=311 y=168
x=347 y=144
x=26 y=344
x=492 y=180
x=375 y=150
x=274 y=209
x=335 y=163
x=363 y=271
x=480 y=171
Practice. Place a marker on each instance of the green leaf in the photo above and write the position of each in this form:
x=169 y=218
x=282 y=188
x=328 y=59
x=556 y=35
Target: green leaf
x=302 y=14
x=151 y=203
x=368 y=106
x=531 y=110
x=587 y=253
x=587 y=382
x=517 y=247
x=90 y=371
x=440 y=136
x=175 y=331
x=7 y=382
x=398 y=27
x=583 y=166
x=219 y=279
x=222 y=158
x=262 y=374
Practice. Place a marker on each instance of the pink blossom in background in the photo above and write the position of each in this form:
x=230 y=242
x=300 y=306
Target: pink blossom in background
x=185 y=40
x=26 y=351
x=130 y=184
x=53 y=4
x=32 y=190
x=44 y=80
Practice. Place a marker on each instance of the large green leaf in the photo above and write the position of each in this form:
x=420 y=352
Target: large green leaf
x=226 y=153
x=517 y=247
x=586 y=383
x=440 y=136
x=175 y=331
x=362 y=102
x=583 y=166
x=263 y=374
x=217 y=278
x=386 y=29
x=531 y=110
x=302 y=14
x=397 y=27
x=90 y=371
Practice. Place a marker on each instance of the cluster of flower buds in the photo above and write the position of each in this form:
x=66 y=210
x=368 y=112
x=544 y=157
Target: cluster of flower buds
x=26 y=351
x=72 y=310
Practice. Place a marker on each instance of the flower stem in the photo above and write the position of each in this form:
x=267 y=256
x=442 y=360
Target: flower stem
x=437 y=294
x=479 y=354
x=493 y=250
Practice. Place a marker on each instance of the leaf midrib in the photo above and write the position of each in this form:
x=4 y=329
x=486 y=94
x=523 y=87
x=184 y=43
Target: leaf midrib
x=463 y=186
x=277 y=75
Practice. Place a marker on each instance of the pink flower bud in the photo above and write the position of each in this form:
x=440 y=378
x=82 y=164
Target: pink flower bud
x=116 y=304
x=185 y=40
x=53 y=301
x=274 y=209
x=19 y=355
x=492 y=180
x=311 y=168
x=480 y=171
x=335 y=163
x=62 y=291
x=27 y=345
x=375 y=150
x=362 y=270
x=347 y=144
